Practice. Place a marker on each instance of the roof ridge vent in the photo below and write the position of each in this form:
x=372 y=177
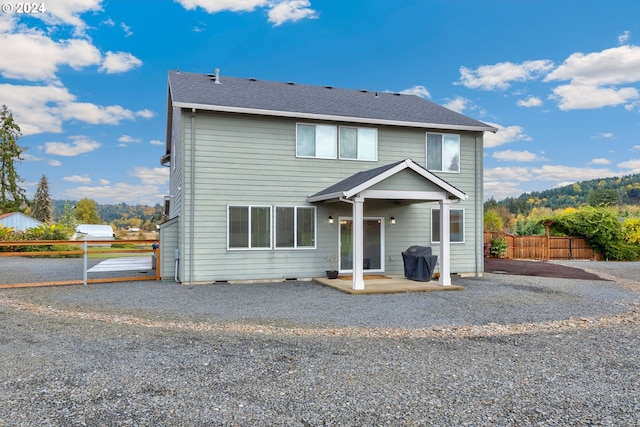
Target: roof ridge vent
x=291 y=83
x=364 y=90
x=329 y=87
x=252 y=79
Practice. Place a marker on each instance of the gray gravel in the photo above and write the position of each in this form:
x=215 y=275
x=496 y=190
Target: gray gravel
x=507 y=350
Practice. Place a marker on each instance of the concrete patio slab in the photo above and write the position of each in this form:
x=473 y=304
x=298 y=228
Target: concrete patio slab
x=388 y=284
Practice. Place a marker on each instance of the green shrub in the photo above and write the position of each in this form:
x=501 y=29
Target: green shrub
x=498 y=247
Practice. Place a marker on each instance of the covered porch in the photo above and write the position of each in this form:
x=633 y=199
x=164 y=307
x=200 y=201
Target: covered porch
x=403 y=182
x=385 y=284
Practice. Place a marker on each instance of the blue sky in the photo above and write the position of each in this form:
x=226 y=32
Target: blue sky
x=86 y=80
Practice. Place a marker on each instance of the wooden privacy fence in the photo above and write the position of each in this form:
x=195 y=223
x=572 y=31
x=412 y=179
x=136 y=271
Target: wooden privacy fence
x=69 y=262
x=543 y=247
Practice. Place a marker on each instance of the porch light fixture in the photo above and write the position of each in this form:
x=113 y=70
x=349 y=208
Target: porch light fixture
x=330 y=219
x=392 y=220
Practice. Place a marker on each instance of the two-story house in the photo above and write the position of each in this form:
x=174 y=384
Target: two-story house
x=279 y=180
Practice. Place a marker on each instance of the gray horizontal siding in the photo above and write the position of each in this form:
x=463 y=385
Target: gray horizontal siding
x=251 y=160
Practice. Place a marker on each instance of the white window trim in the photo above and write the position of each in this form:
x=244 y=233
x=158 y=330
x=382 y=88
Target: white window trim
x=356 y=159
x=464 y=226
x=250 y=248
x=426 y=151
x=295 y=228
x=314 y=125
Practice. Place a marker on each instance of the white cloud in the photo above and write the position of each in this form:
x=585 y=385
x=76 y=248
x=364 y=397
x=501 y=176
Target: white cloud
x=145 y=114
x=128 y=139
x=30 y=158
x=45 y=55
x=531 y=101
x=96 y=114
x=507 y=174
x=39 y=109
x=633 y=166
x=80 y=145
x=151 y=175
x=459 y=104
x=279 y=11
x=501 y=189
x=499 y=76
x=419 y=90
x=119 y=62
x=68 y=11
x=618 y=65
x=156 y=142
x=504 y=135
x=215 y=6
x=104 y=181
x=120 y=192
x=84 y=179
x=599 y=161
x=594 y=78
x=624 y=37
x=54 y=163
x=576 y=96
x=516 y=156
x=603 y=135
x=568 y=173
x=290 y=10
x=126 y=29
x=635 y=147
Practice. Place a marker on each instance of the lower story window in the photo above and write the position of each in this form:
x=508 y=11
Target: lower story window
x=295 y=227
x=456 y=225
x=249 y=227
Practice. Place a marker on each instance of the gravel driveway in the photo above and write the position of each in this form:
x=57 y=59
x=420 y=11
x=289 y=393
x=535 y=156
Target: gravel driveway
x=508 y=350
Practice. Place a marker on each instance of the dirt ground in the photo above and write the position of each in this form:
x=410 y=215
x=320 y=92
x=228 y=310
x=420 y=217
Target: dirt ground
x=535 y=268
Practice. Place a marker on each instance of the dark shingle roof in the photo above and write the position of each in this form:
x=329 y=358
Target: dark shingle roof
x=356 y=180
x=365 y=179
x=307 y=101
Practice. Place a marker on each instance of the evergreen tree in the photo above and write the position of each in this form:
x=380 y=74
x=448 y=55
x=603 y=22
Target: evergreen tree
x=12 y=196
x=42 y=207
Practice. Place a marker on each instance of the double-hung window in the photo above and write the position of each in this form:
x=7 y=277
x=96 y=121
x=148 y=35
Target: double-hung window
x=456 y=226
x=320 y=141
x=249 y=227
x=443 y=152
x=358 y=143
x=295 y=227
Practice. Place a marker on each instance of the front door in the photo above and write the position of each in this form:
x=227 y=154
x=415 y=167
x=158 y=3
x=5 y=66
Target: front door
x=373 y=244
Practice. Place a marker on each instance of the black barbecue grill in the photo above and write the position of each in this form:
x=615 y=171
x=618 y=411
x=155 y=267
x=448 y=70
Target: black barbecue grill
x=419 y=263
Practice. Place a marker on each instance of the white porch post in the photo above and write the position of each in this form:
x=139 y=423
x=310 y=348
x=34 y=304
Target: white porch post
x=358 y=243
x=445 y=244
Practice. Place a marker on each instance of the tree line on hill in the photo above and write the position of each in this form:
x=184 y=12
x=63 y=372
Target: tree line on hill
x=615 y=191
x=606 y=212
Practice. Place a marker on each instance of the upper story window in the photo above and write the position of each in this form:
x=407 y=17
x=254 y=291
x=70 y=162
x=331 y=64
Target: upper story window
x=358 y=143
x=326 y=142
x=443 y=152
x=320 y=141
